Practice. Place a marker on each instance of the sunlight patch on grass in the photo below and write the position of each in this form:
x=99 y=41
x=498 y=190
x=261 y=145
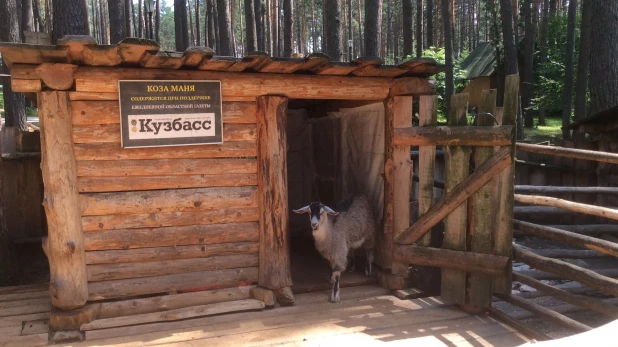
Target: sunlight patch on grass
x=550 y=132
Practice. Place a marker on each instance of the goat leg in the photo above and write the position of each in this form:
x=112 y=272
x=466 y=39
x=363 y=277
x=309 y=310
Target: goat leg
x=334 y=296
x=368 y=265
x=353 y=262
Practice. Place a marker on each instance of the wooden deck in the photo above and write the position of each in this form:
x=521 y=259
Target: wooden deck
x=367 y=315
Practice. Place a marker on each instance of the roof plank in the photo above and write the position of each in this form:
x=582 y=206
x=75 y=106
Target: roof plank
x=162 y=60
x=132 y=49
x=101 y=55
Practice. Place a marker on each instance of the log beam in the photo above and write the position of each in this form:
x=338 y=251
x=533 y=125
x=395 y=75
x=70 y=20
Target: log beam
x=274 y=269
x=402 y=117
x=604 y=212
x=604 y=157
x=589 y=242
x=568 y=271
x=454 y=136
x=544 y=312
x=563 y=295
x=483 y=174
x=480 y=263
x=57 y=76
x=65 y=242
x=525 y=189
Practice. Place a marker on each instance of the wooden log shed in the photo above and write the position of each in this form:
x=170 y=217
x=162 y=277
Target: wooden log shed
x=207 y=223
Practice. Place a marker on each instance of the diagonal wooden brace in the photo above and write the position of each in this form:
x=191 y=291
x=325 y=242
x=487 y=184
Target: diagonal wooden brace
x=481 y=176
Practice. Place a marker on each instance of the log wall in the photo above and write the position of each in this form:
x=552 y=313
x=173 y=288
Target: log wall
x=166 y=219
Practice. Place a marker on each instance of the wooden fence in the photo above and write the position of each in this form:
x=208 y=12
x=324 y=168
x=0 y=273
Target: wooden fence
x=547 y=262
x=478 y=196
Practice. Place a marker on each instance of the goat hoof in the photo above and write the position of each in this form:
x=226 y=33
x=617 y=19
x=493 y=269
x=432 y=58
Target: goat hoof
x=367 y=273
x=334 y=298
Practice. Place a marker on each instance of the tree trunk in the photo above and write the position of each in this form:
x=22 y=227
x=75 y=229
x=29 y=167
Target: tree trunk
x=158 y=21
x=350 y=32
x=259 y=25
x=26 y=16
x=198 y=34
x=181 y=27
x=225 y=29
x=288 y=27
x=373 y=28
x=333 y=32
x=603 y=53
x=567 y=102
x=211 y=24
x=510 y=52
x=543 y=49
x=361 y=44
x=216 y=43
x=140 y=20
x=583 y=66
x=36 y=10
x=117 y=24
x=191 y=29
x=127 y=17
x=528 y=60
x=448 y=50
x=231 y=8
x=430 y=28
x=250 y=24
x=389 y=30
x=274 y=22
x=70 y=18
x=419 y=28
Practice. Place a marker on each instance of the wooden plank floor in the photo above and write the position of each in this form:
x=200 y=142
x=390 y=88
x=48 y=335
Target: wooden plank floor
x=367 y=315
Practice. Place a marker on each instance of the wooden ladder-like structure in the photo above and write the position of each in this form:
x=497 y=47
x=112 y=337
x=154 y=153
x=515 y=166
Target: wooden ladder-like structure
x=477 y=208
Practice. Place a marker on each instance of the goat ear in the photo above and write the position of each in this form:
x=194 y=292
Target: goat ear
x=330 y=211
x=302 y=210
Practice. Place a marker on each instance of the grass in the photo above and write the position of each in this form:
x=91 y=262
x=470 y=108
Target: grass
x=550 y=132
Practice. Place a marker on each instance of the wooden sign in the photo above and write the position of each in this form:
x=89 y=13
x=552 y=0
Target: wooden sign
x=170 y=113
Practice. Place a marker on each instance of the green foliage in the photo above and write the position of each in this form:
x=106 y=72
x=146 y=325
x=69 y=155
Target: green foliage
x=550 y=77
x=439 y=55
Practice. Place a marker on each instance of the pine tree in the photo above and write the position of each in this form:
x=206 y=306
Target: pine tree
x=225 y=29
x=181 y=25
x=603 y=53
x=117 y=25
x=373 y=28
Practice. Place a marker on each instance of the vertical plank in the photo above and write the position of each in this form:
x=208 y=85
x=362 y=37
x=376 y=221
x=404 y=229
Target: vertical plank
x=503 y=236
x=384 y=241
x=457 y=163
x=64 y=245
x=402 y=175
x=479 y=288
x=274 y=269
x=428 y=116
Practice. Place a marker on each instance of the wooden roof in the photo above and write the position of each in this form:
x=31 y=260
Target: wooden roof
x=141 y=53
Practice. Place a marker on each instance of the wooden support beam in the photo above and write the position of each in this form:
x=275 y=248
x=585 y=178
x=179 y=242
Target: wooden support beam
x=525 y=210
x=26 y=86
x=604 y=157
x=402 y=180
x=524 y=189
x=568 y=205
x=567 y=253
x=584 y=241
x=483 y=174
x=274 y=269
x=64 y=245
x=485 y=264
x=503 y=194
x=568 y=271
x=114 y=309
x=57 y=76
x=428 y=117
x=541 y=275
x=457 y=169
x=454 y=136
x=563 y=295
x=480 y=235
x=520 y=327
x=176 y=314
x=234 y=85
x=190 y=281
x=544 y=312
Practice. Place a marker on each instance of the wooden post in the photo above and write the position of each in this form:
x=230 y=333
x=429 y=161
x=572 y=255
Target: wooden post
x=480 y=235
x=274 y=270
x=402 y=179
x=64 y=245
x=457 y=161
x=503 y=236
x=428 y=116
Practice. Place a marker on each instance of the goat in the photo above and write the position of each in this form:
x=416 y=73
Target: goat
x=350 y=227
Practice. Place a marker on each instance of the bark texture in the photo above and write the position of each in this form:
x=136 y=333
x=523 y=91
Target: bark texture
x=373 y=28
x=70 y=18
x=251 y=27
x=603 y=53
x=288 y=27
x=567 y=102
x=117 y=25
x=225 y=29
x=14 y=103
x=407 y=28
x=181 y=25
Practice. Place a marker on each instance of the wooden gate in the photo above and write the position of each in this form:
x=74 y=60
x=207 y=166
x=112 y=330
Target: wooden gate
x=477 y=208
